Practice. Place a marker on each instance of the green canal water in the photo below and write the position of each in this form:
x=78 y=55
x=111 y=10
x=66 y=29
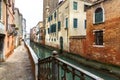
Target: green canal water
x=43 y=52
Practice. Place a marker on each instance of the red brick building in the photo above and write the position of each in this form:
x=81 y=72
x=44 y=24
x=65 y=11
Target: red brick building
x=103 y=31
x=78 y=45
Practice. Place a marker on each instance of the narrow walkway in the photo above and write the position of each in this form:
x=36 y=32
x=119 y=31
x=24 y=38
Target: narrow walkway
x=17 y=66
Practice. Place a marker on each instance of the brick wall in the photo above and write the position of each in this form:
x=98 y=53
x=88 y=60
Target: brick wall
x=110 y=52
x=77 y=45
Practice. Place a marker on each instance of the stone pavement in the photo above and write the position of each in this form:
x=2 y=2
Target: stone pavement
x=17 y=66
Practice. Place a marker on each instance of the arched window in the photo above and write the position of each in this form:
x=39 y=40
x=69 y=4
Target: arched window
x=98 y=15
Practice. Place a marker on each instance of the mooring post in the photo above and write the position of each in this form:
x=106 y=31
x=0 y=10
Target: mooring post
x=54 y=66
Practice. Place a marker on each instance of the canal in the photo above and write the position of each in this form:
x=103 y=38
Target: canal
x=43 y=52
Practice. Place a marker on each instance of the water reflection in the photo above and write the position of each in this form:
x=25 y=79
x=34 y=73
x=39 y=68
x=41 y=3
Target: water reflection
x=40 y=51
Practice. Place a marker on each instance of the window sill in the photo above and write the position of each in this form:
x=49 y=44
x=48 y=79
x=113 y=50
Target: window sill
x=100 y=46
x=96 y=23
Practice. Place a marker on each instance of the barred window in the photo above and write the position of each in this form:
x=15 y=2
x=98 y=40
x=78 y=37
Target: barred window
x=98 y=37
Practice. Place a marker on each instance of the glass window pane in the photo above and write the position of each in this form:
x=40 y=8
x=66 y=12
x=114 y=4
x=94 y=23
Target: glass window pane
x=75 y=23
x=99 y=15
x=99 y=37
x=75 y=5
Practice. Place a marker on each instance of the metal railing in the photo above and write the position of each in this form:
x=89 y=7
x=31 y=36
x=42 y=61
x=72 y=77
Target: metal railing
x=54 y=68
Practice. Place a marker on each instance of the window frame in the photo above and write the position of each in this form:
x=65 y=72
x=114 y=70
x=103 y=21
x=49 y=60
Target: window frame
x=103 y=16
x=75 y=23
x=97 y=38
x=75 y=5
x=59 y=25
x=66 y=23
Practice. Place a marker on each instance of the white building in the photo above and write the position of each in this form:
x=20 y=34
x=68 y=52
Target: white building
x=67 y=20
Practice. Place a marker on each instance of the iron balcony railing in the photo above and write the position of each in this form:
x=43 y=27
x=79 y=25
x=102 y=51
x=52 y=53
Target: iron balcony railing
x=54 y=68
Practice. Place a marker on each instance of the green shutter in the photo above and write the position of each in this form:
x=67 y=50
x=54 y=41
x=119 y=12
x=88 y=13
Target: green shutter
x=51 y=17
x=55 y=15
x=55 y=27
x=59 y=25
x=51 y=29
x=75 y=21
x=75 y=5
x=66 y=22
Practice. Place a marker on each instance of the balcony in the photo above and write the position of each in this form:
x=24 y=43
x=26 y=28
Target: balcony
x=2 y=28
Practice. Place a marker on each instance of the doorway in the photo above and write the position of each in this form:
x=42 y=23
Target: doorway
x=1 y=46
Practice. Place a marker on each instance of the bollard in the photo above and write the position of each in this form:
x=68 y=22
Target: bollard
x=54 y=66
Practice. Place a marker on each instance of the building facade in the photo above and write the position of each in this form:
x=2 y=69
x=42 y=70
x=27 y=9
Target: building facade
x=41 y=33
x=103 y=31
x=9 y=29
x=24 y=28
x=65 y=23
x=33 y=36
x=20 y=23
x=48 y=7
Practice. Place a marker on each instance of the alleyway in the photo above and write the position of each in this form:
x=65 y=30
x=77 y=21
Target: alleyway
x=17 y=66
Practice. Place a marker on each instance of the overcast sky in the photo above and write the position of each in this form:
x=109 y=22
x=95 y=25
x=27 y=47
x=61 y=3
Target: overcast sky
x=32 y=11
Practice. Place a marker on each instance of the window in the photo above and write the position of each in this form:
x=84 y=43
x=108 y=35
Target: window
x=98 y=37
x=51 y=17
x=59 y=25
x=98 y=15
x=75 y=5
x=85 y=24
x=75 y=21
x=53 y=28
x=66 y=23
x=55 y=15
x=48 y=19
